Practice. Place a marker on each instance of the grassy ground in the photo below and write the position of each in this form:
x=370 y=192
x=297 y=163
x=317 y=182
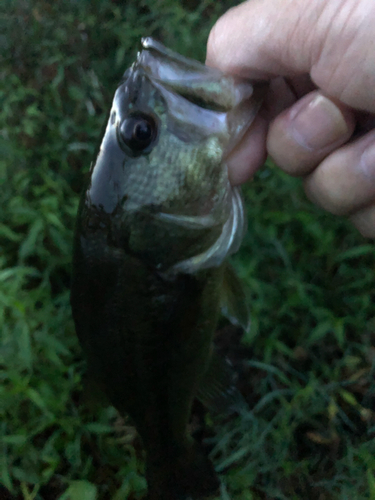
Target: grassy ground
x=307 y=365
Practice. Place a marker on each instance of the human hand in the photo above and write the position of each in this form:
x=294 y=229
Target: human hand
x=319 y=56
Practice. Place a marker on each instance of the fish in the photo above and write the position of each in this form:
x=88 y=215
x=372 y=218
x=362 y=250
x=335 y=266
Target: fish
x=156 y=222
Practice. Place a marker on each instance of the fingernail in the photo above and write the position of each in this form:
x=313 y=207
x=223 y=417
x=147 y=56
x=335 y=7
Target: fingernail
x=317 y=123
x=367 y=162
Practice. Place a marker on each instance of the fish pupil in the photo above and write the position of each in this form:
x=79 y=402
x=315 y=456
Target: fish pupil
x=138 y=132
x=142 y=131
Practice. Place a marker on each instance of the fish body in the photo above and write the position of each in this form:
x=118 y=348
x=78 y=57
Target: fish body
x=156 y=220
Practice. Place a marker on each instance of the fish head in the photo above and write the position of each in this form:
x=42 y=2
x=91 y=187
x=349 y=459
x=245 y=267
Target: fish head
x=160 y=177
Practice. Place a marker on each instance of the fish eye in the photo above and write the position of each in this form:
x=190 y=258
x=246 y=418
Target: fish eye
x=137 y=132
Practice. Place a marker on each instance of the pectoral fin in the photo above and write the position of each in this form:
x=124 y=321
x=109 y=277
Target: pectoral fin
x=217 y=390
x=234 y=300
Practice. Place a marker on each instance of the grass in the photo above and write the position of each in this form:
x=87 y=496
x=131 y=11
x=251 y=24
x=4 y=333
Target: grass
x=307 y=364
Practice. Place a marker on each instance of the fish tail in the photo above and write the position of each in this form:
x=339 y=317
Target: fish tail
x=188 y=476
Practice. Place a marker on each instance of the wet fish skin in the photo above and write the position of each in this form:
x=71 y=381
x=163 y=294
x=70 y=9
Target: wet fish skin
x=155 y=223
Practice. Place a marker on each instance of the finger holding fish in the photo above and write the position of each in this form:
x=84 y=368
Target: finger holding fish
x=319 y=57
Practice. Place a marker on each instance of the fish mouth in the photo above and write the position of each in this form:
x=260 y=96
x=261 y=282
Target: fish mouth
x=196 y=82
x=200 y=97
x=180 y=82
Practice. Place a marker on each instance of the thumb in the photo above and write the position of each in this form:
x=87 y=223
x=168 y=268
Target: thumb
x=332 y=40
x=256 y=38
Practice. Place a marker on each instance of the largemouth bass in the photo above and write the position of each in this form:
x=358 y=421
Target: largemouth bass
x=156 y=221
